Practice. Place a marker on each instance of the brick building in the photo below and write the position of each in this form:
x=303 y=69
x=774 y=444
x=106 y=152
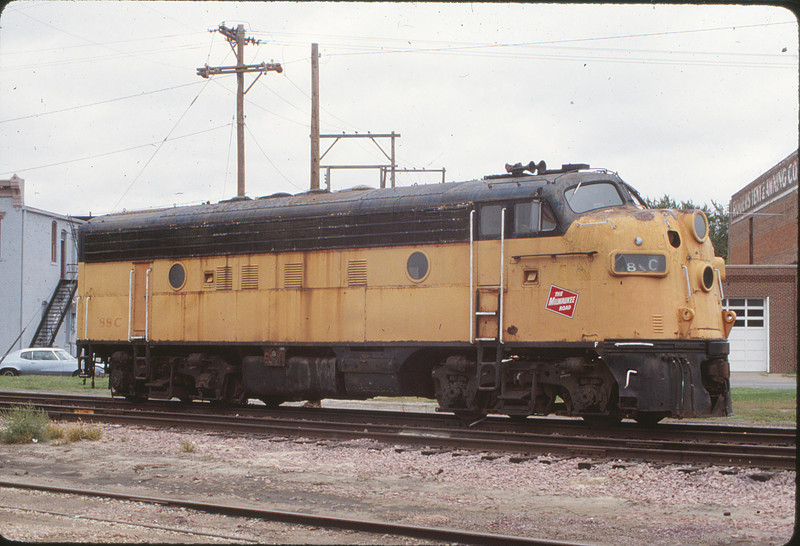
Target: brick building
x=761 y=284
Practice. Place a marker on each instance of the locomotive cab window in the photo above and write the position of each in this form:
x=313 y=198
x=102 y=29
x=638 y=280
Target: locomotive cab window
x=592 y=196
x=533 y=217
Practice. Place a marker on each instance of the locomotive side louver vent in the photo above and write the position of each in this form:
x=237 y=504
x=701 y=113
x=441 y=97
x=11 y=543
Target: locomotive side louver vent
x=658 y=324
x=357 y=273
x=249 y=280
x=224 y=279
x=293 y=276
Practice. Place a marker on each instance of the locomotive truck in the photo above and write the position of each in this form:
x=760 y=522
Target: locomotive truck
x=527 y=293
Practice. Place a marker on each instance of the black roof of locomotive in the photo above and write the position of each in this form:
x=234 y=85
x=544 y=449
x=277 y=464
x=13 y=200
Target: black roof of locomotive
x=357 y=217
x=350 y=201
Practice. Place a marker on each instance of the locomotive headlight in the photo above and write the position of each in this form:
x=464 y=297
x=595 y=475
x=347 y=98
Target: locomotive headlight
x=698 y=225
x=638 y=241
x=706 y=277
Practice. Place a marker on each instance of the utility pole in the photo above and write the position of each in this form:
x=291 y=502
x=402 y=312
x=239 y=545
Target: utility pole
x=314 y=117
x=238 y=38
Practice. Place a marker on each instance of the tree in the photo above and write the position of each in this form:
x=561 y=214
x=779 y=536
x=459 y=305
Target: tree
x=717 y=219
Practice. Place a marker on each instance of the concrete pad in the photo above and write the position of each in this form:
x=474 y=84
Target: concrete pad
x=761 y=380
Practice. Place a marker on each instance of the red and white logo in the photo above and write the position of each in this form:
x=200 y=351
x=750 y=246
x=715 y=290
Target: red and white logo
x=561 y=301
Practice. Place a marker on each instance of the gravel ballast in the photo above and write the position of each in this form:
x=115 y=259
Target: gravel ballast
x=576 y=500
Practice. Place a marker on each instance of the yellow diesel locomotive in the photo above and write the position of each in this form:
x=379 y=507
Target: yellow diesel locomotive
x=528 y=293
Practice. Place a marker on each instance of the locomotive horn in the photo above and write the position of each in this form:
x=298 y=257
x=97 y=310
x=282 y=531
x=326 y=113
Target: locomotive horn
x=518 y=168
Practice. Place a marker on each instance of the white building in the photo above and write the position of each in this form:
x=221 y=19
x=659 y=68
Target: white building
x=37 y=250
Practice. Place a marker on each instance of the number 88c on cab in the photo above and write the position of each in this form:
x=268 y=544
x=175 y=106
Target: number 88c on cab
x=529 y=293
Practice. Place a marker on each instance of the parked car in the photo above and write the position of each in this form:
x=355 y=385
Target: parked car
x=39 y=361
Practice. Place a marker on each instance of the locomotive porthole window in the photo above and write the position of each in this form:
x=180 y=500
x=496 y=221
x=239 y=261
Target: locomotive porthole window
x=177 y=276
x=417 y=266
x=700 y=226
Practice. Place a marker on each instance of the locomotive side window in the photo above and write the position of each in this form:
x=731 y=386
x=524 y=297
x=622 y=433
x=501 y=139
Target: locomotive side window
x=596 y=195
x=526 y=218
x=490 y=220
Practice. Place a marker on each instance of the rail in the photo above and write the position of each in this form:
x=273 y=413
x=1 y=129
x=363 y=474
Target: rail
x=721 y=445
x=307 y=519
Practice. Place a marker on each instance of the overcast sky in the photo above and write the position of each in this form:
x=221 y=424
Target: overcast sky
x=101 y=107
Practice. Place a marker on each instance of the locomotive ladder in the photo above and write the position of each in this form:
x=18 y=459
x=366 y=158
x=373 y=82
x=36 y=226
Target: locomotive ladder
x=488 y=371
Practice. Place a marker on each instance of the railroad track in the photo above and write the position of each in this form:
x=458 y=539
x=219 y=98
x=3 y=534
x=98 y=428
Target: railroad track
x=672 y=443
x=383 y=528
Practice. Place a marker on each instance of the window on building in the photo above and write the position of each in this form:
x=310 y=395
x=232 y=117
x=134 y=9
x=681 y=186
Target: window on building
x=749 y=311
x=54 y=242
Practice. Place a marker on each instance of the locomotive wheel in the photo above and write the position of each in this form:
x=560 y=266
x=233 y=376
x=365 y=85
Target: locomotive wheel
x=235 y=393
x=478 y=411
x=456 y=389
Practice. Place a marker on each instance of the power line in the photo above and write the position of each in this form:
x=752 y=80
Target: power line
x=456 y=51
x=143 y=93
x=159 y=147
x=346 y=123
x=112 y=152
x=474 y=45
x=469 y=49
x=228 y=159
x=270 y=161
x=115 y=55
x=114 y=42
x=251 y=102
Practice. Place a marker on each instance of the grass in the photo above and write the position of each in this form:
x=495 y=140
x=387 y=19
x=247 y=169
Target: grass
x=53 y=383
x=26 y=424
x=81 y=431
x=768 y=406
x=188 y=446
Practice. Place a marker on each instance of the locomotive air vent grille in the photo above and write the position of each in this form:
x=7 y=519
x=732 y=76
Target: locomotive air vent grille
x=224 y=280
x=658 y=324
x=249 y=277
x=357 y=273
x=293 y=276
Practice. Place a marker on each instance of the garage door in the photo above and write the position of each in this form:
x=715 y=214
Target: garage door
x=749 y=337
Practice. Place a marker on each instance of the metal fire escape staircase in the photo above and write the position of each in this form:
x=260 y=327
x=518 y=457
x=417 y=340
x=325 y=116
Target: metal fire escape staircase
x=54 y=315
